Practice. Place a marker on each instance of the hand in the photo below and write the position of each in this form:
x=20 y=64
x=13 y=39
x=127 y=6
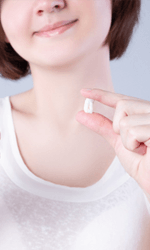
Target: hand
x=128 y=133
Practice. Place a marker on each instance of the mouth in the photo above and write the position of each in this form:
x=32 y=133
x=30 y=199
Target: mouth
x=53 y=26
x=56 y=31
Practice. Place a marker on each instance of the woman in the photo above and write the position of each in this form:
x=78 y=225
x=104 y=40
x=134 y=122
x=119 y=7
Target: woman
x=63 y=185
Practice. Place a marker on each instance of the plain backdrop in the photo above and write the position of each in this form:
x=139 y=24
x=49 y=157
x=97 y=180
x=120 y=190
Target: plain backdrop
x=130 y=74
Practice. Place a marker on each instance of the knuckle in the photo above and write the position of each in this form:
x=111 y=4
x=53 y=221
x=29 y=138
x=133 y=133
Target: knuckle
x=132 y=133
x=121 y=102
x=123 y=123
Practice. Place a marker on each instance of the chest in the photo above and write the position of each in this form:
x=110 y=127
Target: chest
x=78 y=160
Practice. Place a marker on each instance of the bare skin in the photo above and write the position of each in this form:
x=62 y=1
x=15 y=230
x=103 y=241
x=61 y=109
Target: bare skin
x=75 y=160
x=52 y=143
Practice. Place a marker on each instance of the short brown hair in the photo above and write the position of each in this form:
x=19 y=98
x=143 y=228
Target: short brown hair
x=125 y=15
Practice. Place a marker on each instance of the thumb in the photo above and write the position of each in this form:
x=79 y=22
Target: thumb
x=99 y=124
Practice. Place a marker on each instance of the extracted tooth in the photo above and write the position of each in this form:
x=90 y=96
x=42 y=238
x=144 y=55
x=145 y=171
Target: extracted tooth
x=88 y=105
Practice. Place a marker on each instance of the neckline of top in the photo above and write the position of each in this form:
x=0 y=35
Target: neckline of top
x=51 y=190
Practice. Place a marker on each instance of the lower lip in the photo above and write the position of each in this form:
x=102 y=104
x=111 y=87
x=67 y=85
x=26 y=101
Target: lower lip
x=55 y=32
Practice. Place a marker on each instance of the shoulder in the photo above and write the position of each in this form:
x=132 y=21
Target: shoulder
x=2 y=106
x=2 y=100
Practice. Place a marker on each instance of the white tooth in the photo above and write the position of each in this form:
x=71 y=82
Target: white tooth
x=88 y=105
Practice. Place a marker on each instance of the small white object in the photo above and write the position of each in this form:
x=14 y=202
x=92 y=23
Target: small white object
x=88 y=105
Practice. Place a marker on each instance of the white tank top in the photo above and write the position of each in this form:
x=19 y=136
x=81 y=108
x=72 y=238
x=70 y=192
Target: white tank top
x=112 y=214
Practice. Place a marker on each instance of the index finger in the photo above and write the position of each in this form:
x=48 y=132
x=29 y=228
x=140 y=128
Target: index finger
x=106 y=97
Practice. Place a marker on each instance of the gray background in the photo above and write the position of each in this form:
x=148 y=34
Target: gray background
x=130 y=74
